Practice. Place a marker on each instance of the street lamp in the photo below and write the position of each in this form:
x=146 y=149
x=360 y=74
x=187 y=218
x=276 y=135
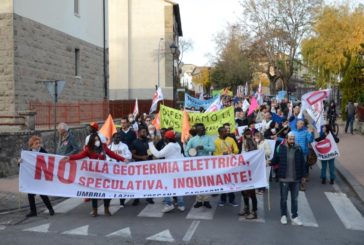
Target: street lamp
x=159 y=54
x=174 y=49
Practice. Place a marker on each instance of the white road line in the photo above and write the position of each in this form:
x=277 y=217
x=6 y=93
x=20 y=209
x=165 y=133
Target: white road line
x=305 y=213
x=67 y=205
x=40 y=228
x=124 y=233
x=153 y=210
x=191 y=230
x=2 y=227
x=347 y=212
x=260 y=212
x=202 y=212
x=164 y=236
x=81 y=231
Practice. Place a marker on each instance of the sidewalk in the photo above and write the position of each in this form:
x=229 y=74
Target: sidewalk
x=350 y=165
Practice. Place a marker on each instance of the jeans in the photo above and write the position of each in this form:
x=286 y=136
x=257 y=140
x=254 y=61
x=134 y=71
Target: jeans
x=293 y=187
x=350 y=121
x=169 y=201
x=231 y=197
x=331 y=163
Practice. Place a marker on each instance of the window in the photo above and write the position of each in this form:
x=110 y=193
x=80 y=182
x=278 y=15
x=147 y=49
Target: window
x=76 y=7
x=77 y=62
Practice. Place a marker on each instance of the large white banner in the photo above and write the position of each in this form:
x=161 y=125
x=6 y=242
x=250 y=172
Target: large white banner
x=326 y=149
x=49 y=174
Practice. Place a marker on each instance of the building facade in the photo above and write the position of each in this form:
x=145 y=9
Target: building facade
x=52 y=40
x=141 y=33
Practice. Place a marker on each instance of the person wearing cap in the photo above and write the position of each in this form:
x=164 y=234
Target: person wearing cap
x=291 y=165
x=172 y=150
x=67 y=144
x=94 y=128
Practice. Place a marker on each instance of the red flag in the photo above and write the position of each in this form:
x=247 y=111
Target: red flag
x=108 y=129
x=158 y=96
x=156 y=122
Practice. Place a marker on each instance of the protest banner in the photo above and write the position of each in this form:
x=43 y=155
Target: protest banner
x=326 y=149
x=170 y=117
x=48 y=174
x=197 y=103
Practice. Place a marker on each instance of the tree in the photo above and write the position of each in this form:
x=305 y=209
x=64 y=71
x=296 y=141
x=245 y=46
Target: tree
x=277 y=28
x=184 y=47
x=335 y=49
x=231 y=65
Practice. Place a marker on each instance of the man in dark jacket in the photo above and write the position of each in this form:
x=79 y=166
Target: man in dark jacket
x=350 y=110
x=291 y=170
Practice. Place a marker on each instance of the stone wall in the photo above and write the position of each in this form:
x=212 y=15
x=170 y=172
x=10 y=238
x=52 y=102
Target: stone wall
x=11 y=145
x=6 y=64
x=43 y=53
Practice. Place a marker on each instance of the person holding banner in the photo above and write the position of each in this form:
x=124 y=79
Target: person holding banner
x=200 y=145
x=326 y=130
x=172 y=150
x=97 y=150
x=262 y=144
x=249 y=145
x=291 y=164
x=34 y=144
x=225 y=145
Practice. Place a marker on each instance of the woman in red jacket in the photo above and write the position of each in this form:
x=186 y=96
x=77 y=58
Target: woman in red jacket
x=96 y=150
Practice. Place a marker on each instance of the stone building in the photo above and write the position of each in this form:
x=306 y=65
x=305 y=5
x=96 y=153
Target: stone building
x=139 y=30
x=52 y=40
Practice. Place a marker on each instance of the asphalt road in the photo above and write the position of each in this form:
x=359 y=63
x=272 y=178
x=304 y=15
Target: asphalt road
x=331 y=215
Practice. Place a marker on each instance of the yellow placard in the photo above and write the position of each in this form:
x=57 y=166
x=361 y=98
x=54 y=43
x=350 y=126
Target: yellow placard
x=172 y=118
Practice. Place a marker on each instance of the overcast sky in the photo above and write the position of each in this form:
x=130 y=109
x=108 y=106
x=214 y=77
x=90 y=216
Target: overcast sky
x=201 y=19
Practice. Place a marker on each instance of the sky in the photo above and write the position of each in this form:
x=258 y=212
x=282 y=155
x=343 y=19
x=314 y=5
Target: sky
x=202 y=19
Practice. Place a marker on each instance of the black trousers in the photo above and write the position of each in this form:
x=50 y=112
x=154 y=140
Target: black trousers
x=106 y=203
x=231 y=197
x=250 y=194
x=33 y=208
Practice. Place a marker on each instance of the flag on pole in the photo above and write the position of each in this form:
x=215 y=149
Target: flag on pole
x=185 y=134
x=158 y=96
x=108 y=129
x=253 y=105
x=215 y=106
x=136 y=108
x=156 y=122
x=259 y=95
x=246 y=89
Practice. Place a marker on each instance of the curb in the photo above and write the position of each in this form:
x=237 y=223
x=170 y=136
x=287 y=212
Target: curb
x=350 y=179
x=38 y=204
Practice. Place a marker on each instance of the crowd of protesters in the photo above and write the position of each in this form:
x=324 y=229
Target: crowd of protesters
x=138 y=140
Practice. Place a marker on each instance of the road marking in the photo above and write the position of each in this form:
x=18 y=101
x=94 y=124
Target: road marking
x=2 y=227
x=82 y=231
x=153 y=210
x=202 y=212
x=124 y=233
x=191 y=230
x=67 y=205
x=40 y=228
x=260 y=211
x=305 y=213
x=347 y=212
x=164 y=236
x=114 y=207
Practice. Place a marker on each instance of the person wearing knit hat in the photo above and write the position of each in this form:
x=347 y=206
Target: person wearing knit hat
x=171 y=151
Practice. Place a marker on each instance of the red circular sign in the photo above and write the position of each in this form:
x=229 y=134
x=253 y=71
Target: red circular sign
x=324 y=146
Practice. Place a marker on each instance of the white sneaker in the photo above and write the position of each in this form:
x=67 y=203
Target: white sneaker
x=167 y=208
x=296 y=221
x=284 y=220
x=181 y=208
